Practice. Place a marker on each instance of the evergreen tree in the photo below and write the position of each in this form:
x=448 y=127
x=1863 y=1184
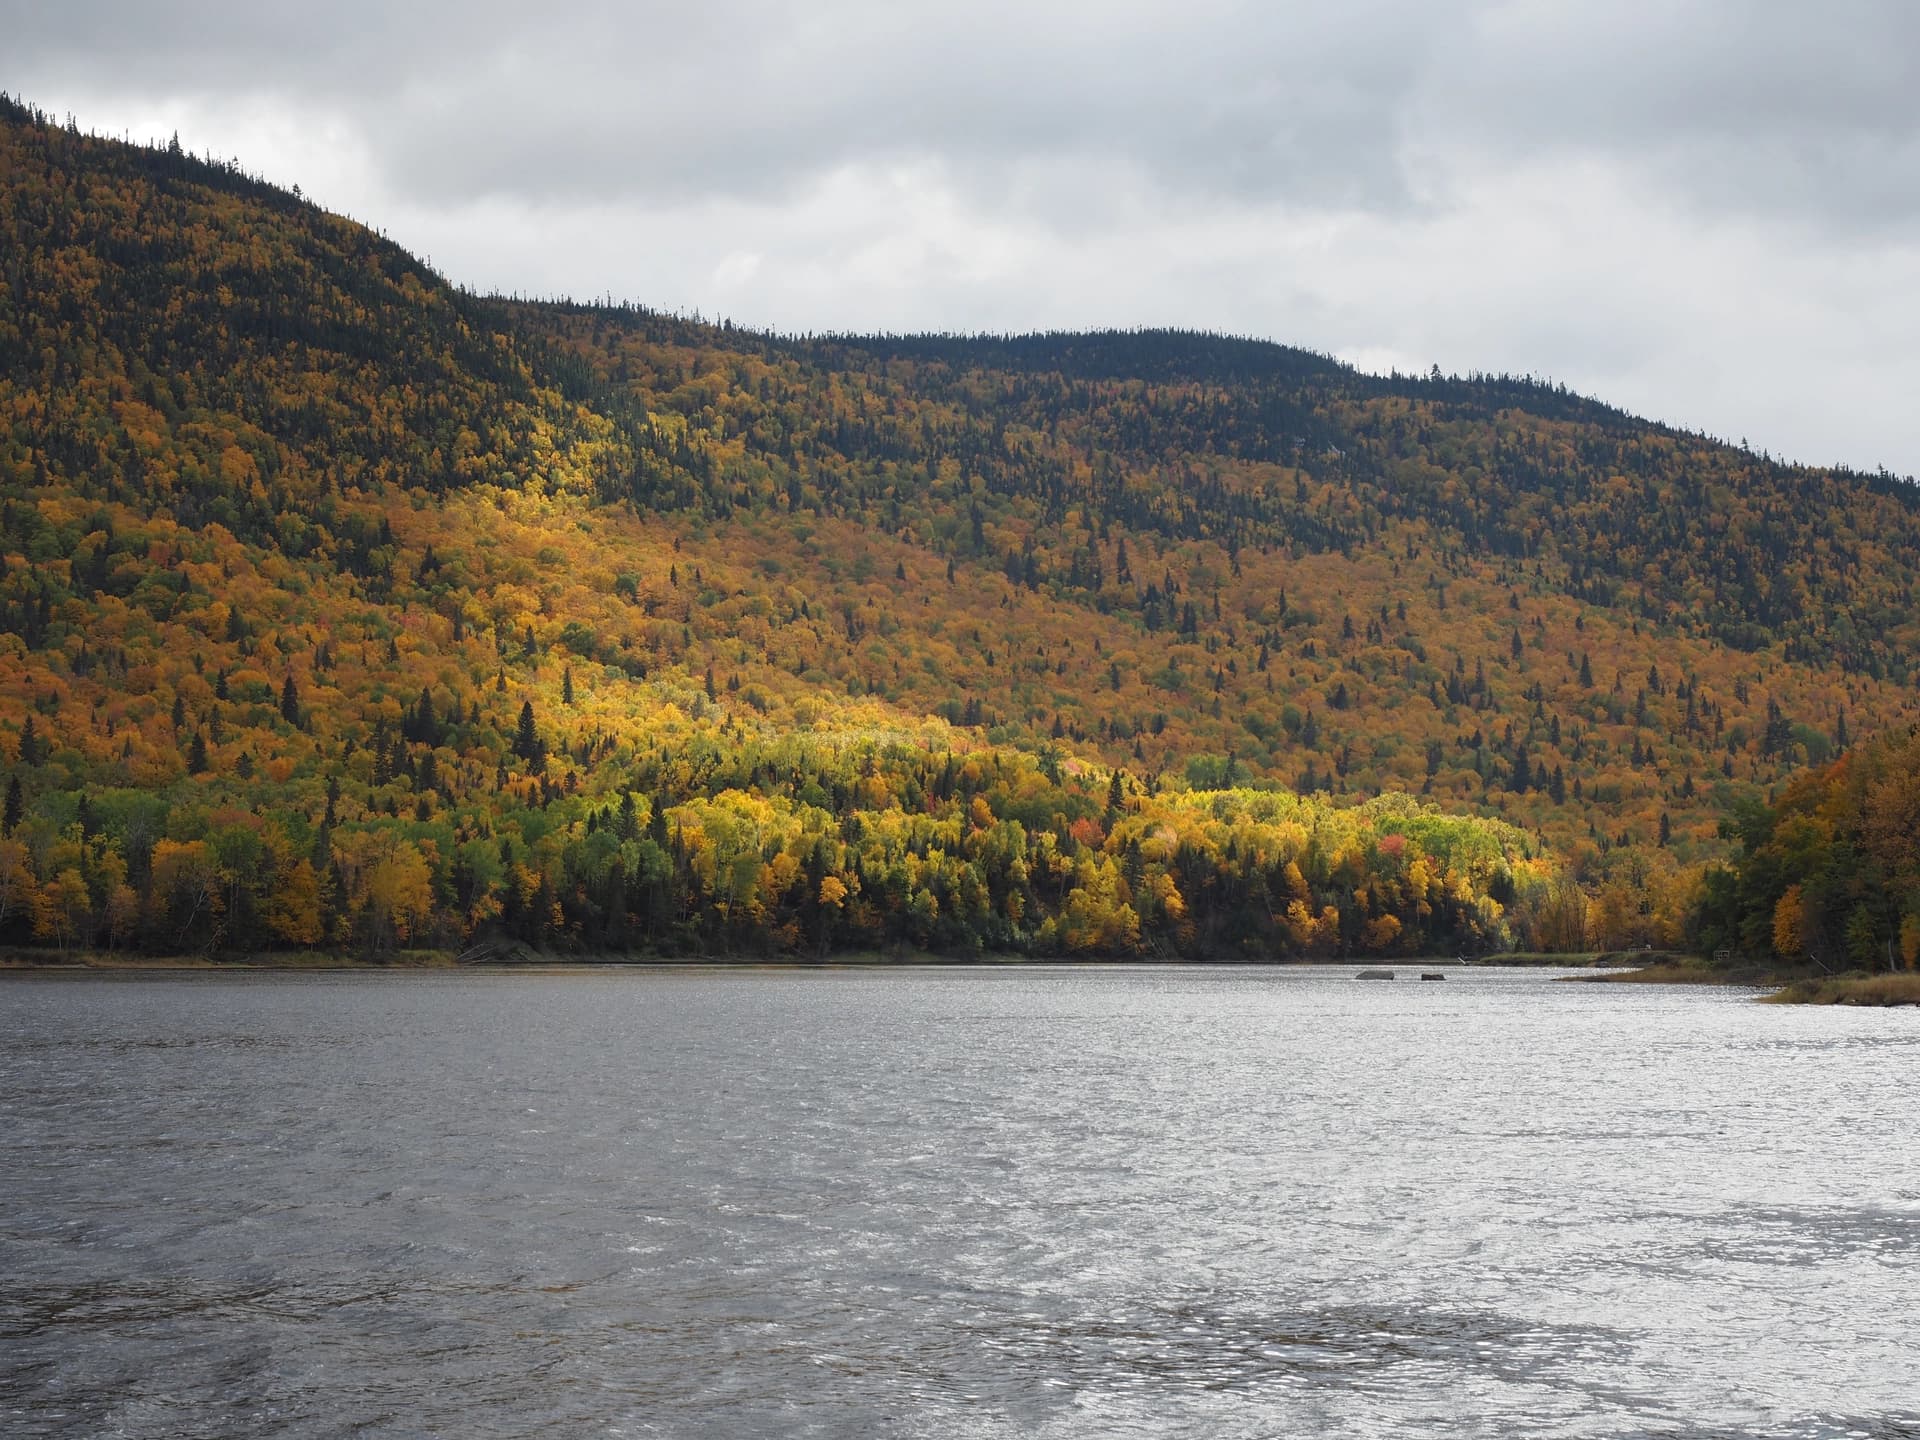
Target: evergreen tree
x=526 y=740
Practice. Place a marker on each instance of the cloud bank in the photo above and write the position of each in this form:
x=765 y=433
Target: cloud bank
x=1704 y=210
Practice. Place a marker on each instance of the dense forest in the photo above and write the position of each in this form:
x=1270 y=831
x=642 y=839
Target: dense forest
x=1829 y=873
x=342 y=607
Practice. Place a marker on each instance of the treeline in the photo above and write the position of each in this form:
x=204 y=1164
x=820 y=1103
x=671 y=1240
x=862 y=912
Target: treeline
x=1829 y=873
x=797 y=846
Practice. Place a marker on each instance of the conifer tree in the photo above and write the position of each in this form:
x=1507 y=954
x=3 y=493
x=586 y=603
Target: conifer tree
x=526 y=740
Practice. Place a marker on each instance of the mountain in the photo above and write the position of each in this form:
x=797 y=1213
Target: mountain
x=345 y=607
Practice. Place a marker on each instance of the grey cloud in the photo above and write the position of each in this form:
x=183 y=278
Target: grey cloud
x=1801 y=111
x=1369 y=105
x=1372 y=105
x=751 y=98
x=1673 y=202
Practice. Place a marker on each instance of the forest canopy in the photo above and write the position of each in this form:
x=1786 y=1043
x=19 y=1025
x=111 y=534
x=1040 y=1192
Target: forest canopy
x=341 y=607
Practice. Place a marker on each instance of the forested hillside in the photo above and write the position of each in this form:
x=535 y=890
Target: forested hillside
x=342 y=607
x=1830 y=873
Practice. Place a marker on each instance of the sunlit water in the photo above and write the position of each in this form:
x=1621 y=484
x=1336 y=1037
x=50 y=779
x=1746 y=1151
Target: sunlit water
x=1013 y=1202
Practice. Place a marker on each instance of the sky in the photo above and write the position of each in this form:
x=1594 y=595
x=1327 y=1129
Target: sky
x=1705 y=211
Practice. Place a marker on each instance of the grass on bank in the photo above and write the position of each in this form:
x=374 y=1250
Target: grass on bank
x=1896 y=989
x=1786 y=984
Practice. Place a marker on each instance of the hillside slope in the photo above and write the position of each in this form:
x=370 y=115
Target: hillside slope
x=342 y=607
x=1258 y=562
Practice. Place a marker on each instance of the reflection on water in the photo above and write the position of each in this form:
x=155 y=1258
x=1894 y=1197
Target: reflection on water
x=978 y=1203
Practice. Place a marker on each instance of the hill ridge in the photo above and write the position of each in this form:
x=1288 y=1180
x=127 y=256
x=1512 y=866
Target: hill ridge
x=295 y=530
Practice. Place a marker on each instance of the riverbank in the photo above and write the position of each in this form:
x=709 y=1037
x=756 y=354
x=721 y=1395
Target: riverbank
x=1578 y=959
x=1855 y=989
x=80 y=962
x=1787 y=985
x=18 y=959
x=88 y=961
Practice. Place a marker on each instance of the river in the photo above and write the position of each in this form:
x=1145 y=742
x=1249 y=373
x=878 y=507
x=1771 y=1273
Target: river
x=1021 y=1201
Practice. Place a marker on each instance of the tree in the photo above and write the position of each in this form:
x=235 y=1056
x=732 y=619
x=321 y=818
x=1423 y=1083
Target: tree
x=526 y=739
x=290 y=702
x=19 y=888
x=292 y=911
x=15 y=806
x=197 y=760
x=1789 y=922
x=64 y=908
x=399 y=896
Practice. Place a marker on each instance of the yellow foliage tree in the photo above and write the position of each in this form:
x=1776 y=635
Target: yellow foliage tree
x=292 y=911
x=399 y=895
x=1789 y=923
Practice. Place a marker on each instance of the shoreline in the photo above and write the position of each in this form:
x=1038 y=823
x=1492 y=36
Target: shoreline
x=1780 y=986
x=1784 y=985
x=296 y=962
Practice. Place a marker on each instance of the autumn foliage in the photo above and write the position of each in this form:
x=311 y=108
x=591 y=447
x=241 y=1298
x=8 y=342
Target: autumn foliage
x=341 y=607
x=1830 y=872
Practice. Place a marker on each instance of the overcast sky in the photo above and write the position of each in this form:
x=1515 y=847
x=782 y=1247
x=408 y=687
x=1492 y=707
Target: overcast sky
x=1707 y=211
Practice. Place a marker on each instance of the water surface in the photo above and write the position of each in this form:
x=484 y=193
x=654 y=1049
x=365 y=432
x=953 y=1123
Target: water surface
x=1010 y=1202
